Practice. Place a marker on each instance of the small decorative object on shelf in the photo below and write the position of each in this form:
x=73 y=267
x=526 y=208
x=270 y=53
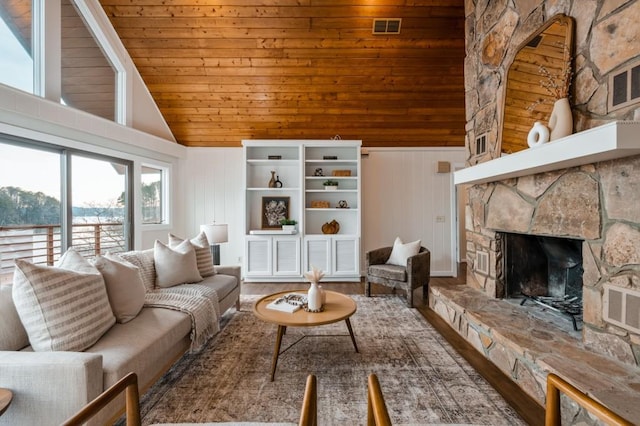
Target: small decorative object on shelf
x=314 y=295
x=320 y=204
x=330 y=185
x=538 y=135
x=329 y=157
x=341 y=173
x=342 y=204
x=332 y=227
x=278 y=183
x=318 y=172
x=274 y=157
x=272 y=181
x=288 y=225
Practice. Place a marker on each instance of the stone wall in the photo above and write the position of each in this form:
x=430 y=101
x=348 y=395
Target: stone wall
x=596 y=203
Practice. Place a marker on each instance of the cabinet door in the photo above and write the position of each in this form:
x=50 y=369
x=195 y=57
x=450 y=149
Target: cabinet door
x=317 y=253
x=258 y=255
x=286 y=256
x=346 y=256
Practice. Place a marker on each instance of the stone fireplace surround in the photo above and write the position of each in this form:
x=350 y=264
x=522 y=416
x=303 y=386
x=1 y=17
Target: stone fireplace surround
x=595 y=202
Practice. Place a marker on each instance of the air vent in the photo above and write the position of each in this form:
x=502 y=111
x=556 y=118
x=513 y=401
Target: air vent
x=622 y=307
x=624 y=87
x=386 y=26
x=482 y=262
x=481 y=144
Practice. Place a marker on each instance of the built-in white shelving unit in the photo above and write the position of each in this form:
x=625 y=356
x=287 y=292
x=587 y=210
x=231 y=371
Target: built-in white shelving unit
x=302 y=166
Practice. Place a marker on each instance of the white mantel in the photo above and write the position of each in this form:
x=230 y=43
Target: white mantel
x=610 y=141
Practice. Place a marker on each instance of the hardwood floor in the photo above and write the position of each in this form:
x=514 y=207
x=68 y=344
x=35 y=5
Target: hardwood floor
x=526 y=406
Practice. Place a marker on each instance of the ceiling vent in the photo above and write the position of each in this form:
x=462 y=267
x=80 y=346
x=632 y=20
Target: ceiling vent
x=386 y=26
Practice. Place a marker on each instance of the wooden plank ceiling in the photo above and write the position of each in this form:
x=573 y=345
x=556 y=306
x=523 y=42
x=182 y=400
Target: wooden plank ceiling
x=222 y=71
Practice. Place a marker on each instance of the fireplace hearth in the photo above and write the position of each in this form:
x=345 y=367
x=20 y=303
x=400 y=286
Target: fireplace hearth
x=546 y=271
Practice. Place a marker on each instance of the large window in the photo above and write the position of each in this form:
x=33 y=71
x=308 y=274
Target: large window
x=15 y=45
x=52 y=198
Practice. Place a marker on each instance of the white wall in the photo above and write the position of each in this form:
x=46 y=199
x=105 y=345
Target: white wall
x=402 y=196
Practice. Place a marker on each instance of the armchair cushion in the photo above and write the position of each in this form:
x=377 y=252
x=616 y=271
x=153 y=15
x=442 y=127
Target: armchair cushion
x=390 y=272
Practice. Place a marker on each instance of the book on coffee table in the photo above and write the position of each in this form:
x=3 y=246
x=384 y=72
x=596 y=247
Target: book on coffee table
x=288 y=303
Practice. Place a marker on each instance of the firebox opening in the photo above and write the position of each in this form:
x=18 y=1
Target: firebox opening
x=545 y=270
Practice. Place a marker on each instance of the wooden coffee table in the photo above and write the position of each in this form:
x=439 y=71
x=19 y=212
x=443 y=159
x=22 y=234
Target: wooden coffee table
x=5 y=399
x=337 y=307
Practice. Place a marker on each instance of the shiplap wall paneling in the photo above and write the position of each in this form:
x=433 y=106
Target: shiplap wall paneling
x=404 y=196
x=213 y=192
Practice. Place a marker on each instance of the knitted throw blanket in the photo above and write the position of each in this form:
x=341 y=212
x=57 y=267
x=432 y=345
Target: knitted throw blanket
x=198 y=301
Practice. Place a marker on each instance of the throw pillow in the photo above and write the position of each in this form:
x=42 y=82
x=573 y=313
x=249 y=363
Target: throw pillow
x=203 y=253
x=124 y=286
x=71 y=260
x=175 y=265
x=144 y=261
x=61 y=310
x=401 y=252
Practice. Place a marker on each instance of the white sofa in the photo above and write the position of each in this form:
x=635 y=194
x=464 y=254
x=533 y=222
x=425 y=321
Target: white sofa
x=49 y=387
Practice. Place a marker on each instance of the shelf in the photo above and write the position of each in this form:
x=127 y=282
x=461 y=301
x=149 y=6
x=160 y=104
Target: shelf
x=324 y=191
x=330 y=209
x=610 y=141
x=271 y=232
x=331 y=161
x=264 y=189
x=330 y=177
x=265 y=162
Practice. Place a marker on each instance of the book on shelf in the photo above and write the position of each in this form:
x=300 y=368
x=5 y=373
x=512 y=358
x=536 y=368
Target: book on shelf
x=290 y=302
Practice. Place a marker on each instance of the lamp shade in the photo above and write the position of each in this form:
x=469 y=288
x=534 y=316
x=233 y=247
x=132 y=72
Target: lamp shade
x=216 y=232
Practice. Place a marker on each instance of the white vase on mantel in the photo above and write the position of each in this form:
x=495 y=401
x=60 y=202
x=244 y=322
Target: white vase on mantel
x=561 y=120
x=314 y=297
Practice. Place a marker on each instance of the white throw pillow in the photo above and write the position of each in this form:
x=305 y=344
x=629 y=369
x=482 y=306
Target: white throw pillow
x=175 y=265
x=203 y=252
x=73 y=261
x=61 y=310
x=401 y=252
x=124 y=286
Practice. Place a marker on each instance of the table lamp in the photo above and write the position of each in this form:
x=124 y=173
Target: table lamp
x=216 y=233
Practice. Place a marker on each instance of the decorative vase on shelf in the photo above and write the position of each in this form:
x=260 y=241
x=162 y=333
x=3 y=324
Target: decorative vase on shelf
x=272 y=181
x=561 y=120
x=314 y=297
x=538 y=135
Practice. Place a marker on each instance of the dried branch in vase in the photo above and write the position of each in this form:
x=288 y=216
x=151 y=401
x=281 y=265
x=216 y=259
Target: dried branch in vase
x=556 y=85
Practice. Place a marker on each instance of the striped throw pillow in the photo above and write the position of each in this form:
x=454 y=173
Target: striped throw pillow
x=61 y=310
x=203 y=253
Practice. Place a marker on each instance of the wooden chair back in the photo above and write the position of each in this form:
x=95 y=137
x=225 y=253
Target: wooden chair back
x=377 y=414
x=555 y=384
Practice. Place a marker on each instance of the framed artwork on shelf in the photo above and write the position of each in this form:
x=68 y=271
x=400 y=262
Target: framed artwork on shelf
x=274 y=209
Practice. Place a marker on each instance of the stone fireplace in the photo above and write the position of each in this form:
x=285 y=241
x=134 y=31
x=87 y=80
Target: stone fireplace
x=563 y=191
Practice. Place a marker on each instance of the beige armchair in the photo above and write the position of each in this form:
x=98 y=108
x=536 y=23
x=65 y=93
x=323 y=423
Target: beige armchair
x=414 y=275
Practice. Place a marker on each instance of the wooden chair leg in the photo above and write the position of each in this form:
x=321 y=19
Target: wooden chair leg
x=367 y=288
x=425 y=294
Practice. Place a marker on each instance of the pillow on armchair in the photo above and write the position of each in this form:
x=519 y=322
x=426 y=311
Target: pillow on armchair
x=401 y=252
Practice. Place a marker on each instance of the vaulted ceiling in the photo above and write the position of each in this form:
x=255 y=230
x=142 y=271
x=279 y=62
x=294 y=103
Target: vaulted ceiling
x=222 y=71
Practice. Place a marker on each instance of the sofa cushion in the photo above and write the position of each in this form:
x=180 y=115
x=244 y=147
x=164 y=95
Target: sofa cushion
x=153 y=340
x=222 y=284
x=175 y=265
x=204 y=259
x=401 y=252
x=389 y=272
x=61 y=310
x=146 y=266
x=13 y=336
x=124 y=286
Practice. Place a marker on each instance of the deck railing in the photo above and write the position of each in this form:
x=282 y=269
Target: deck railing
x=41 y=244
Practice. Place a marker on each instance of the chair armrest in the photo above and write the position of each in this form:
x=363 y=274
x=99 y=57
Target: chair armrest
x=377 y=256
x=419 y=268
x=48 y=387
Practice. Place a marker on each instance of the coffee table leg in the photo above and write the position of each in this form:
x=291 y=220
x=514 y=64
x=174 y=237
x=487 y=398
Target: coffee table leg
x=276 y=351
x=353 y=338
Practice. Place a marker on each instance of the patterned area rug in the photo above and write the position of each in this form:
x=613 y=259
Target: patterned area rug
x=423 y=379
